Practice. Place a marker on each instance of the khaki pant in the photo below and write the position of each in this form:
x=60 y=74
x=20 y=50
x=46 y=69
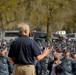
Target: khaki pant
x=24 y=70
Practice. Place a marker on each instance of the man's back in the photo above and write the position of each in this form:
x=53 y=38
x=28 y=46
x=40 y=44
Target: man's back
x=24 y=49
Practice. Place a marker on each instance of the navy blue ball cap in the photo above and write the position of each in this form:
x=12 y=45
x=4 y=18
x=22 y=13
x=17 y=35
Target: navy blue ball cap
x=4 y=47
x=48 y=42
x=59 y=51
x=74 y=52
x=63 y=46
x=1 y=47
x=53 y=50
x=67 y=51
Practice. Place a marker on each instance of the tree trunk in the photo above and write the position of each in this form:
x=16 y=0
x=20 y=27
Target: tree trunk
x=48 y=31
x=3 y=34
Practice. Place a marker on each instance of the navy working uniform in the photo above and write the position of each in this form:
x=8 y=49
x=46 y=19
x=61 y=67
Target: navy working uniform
x=67 y=66
x=3 y=64
x=74 y=67
x=41 y=66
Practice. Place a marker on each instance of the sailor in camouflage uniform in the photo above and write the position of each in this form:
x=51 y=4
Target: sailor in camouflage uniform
x=41 y=66
x=3 y=61
x=67 y=62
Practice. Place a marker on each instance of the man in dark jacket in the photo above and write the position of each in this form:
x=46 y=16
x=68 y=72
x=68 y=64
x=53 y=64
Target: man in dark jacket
x=55 y=66
x=74 y=63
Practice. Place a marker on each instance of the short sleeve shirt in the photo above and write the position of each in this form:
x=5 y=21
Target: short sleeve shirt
x=23 y=50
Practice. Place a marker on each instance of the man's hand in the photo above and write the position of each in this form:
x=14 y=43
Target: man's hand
x=11 y=60
x=46 y=51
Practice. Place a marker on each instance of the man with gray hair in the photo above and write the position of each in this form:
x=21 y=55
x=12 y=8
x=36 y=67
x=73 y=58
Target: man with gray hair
x=23 y=51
